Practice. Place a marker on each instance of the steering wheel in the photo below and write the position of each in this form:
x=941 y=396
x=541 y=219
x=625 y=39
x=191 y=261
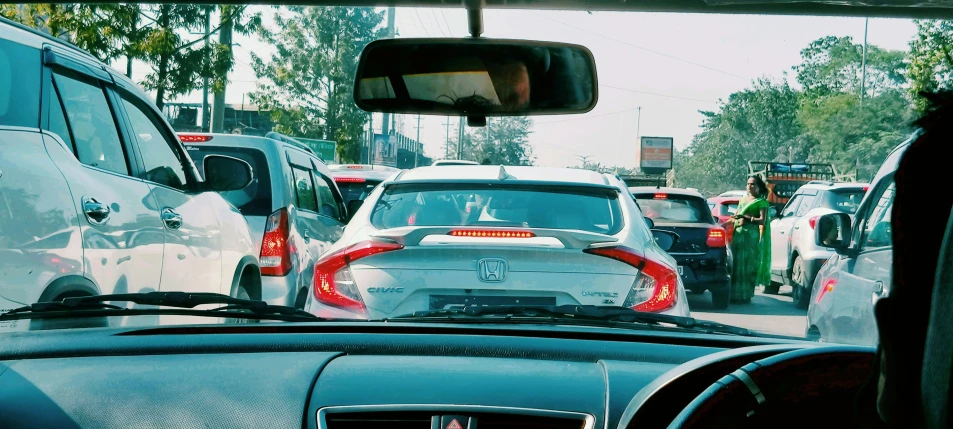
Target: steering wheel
x=812 y=387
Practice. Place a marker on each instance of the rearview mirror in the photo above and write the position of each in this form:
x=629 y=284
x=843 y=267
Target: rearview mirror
x=475 y=77
x=833 y=231
x=224 y=173
x=665 y=239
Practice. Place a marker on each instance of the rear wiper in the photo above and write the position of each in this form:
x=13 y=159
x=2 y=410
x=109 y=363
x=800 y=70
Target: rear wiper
x=233 y=307
x=575 y=312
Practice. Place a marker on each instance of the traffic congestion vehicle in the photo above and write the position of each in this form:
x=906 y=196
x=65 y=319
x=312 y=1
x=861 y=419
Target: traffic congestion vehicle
x=702 y=254
x=536 y=236
x=97 y=195
x=795 y=257
x=722 y=208
x=293 y=207
x=356 y=181
x=441 y=162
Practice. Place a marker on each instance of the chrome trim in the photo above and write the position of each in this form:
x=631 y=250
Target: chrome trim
x=588 y=419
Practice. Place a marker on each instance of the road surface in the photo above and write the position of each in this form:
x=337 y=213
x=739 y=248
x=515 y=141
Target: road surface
x=773 y=314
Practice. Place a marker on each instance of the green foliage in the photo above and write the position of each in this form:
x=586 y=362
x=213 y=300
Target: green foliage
x=508 y=142
x=931 y=59
x=309 y=80
x=104 y=30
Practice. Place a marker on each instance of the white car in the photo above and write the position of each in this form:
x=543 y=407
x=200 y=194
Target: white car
x=453 y=162
x=438 y=238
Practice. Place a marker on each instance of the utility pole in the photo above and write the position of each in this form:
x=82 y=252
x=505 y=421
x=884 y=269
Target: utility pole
x=460 y=134
x=225 y=39
x=638 y=126
x=863 y=65
x=206 y=120
x=447 y=145
x=390 y=35
x=417 y=142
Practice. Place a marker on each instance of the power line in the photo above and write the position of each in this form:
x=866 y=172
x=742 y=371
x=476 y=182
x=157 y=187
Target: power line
x=421 y=21
x=581 y=118
x=449 y=31
x=643 y=48
x=657 y=94
x=436 y=21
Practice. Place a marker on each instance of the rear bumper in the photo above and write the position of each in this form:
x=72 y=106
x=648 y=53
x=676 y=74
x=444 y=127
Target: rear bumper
x=708 y=271
x=279 y=290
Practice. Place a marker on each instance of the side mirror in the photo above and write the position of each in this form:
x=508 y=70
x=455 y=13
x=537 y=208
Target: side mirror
x=224 y=173
x=665 y=239
x=833 y=231
x=649 y=222
x=352 y=207
x=773 y=213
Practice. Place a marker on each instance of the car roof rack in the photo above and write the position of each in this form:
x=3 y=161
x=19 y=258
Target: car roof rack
x=290 y=140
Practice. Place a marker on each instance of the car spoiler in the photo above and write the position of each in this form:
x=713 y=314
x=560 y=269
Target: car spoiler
x=574 y=239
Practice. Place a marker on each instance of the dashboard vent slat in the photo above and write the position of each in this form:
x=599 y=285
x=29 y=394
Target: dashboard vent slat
x=423 y=419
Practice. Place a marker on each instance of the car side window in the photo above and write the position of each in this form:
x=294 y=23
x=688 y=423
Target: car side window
x=163 y=164
x=792 y=206
x=94 y=133
x=58 y=124
x=877 y=230
x=329 y=205
x=806 y=203
x=304 y=189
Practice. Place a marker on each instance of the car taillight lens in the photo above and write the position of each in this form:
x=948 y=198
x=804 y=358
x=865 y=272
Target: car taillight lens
x=716 y=237
x=190 y=138
x=828 y=287
x=349 y=179
x=275 y=258
x=491 y=233
x=333 y=282
x=813 y=222
x=656 y=287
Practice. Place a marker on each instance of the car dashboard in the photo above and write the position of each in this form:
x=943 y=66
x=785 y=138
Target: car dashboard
x=353 y=375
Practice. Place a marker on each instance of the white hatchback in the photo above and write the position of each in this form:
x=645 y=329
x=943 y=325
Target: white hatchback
x=440 y=238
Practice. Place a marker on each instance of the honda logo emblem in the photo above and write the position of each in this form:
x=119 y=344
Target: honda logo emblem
x=491 y=270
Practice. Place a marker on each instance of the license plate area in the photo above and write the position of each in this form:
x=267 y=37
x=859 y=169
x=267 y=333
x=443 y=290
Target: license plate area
x=441 y=302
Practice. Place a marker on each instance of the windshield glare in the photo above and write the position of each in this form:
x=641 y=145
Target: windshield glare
x=790 y=99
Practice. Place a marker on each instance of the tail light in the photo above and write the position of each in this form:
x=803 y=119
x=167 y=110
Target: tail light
x=813 y=221
x=656 y=286
x=828 y=287
x=349 y=179
x=333 y=282
x=661 y=196
x=191 y=138
x=275 y=259
x=716 y=237
x=491 y=233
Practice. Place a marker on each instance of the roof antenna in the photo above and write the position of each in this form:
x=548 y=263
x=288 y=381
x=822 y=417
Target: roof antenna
x=503 y=174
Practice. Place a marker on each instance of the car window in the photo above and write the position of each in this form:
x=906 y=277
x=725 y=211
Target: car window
x=807 y=203
x=94 y=132
x=163 y=164
x=877 y=230
x=58 y=120
x=792 y=206
x=845 y=201
x=304 y=189
x=253 y=200
x=19 y=85
x=330 y=206
x=668 y=208
x=355 y=189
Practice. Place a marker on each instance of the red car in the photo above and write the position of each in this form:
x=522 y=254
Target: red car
x=722 y=208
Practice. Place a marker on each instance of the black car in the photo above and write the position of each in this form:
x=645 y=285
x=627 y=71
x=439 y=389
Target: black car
x=701 y=252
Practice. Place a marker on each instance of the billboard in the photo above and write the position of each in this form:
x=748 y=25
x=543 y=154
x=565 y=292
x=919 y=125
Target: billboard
x=323 y=148
x=384 y=150
x=655 y=153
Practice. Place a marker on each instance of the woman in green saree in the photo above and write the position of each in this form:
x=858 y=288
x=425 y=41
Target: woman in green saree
x=751 y=244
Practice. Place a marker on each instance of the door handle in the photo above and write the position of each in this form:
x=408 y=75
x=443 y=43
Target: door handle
x=878 y=287
x=96 y=212
x=305 y=234
x=171 y=219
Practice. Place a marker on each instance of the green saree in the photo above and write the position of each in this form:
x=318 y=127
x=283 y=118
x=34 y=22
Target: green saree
x=751 y=251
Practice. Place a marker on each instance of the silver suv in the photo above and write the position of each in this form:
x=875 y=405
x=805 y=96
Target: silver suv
x=293 y=207
x=97 y=195
x=795 y=258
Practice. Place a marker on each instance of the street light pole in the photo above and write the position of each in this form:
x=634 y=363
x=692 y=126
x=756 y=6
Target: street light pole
x=863 y=65
x=417 y=142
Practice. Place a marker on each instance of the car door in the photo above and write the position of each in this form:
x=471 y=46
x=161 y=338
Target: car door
x=115 y=205
x=809 y=199
x=192 y=261
x=780 y=233
x=306 y=220
x=866 y=277
x=331 y=211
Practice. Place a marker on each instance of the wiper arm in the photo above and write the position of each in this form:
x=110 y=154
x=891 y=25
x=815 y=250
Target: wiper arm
x=254 y=309
x=576 y=312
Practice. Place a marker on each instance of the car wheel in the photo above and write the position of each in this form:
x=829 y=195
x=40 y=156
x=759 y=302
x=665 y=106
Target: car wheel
x=241 y=293
x=772 y=289
x=802 y=294
x=68 y=323
x=720 y=298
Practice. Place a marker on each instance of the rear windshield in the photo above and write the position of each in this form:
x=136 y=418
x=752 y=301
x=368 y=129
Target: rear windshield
x=255 y=199
x=664 y=208
x=727 y=209
x=845 y=201
x=592 y=210
x=356 y=190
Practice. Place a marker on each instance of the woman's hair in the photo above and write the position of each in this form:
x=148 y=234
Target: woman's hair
x=762 y=187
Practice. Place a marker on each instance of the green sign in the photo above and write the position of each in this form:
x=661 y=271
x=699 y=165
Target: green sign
x=324 y=148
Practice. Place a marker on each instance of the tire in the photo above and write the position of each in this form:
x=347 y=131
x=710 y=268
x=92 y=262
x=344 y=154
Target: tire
x=772 y=289
x=85 y=322
x=801 y=294
x=241 y=293
x=720 y=298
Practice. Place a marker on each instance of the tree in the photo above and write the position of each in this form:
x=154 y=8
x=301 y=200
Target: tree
x=310 y=77
x=931 y=59
x=508 y=142
x=832 y=65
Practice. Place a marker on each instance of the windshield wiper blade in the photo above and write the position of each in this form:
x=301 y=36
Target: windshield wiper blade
x=254 y=309
x=576 y=312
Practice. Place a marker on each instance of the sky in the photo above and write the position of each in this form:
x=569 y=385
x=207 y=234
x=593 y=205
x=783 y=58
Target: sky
x=655 y=71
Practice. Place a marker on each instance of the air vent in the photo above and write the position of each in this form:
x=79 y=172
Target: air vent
x=425 y=420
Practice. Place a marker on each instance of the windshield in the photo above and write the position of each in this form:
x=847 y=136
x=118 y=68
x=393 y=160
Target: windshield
x=445 y=204
x=116 y=190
